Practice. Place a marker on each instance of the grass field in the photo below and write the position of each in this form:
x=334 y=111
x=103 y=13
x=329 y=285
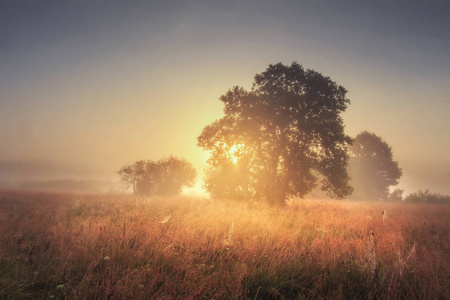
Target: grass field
x=58 y=246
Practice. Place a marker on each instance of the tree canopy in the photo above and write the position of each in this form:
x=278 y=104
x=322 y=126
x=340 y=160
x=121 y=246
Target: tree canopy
x=165 y=177
x=372 y=167
x=280 y=138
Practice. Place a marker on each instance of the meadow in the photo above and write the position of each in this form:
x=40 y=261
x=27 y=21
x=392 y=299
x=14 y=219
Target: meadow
x=79 y=246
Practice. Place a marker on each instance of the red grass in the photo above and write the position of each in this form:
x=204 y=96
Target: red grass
x=92 y=246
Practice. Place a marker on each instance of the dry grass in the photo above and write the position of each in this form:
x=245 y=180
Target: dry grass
x=121 y=247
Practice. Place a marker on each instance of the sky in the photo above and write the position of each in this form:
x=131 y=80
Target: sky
x=88 y=86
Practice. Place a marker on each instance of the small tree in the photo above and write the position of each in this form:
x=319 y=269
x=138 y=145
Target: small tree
x=165 y=177
x=396 y=196
x=278 y=139
x=372 y=167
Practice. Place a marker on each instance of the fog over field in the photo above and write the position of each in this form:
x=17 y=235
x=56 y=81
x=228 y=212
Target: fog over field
x=88 y=87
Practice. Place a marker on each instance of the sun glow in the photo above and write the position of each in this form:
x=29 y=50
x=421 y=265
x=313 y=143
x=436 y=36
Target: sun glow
x=235 y=152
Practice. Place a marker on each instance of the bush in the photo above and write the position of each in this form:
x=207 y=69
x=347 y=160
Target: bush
x=426 y=196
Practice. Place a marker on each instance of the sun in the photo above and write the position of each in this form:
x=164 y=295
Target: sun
x=235 y=152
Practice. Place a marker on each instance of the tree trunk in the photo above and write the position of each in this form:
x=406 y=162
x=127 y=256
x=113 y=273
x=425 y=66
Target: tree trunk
x=283 y=184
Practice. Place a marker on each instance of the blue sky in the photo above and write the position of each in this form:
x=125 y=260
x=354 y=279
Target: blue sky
x=87 y=86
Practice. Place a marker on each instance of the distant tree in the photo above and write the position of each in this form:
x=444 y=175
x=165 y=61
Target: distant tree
x=426 y=197
x=131 y=175
x=165 y=177
x=372 y=167
x=395 y=196
x=278 y=139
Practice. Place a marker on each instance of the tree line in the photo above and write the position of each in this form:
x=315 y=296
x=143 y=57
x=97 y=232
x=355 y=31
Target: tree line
x=282 y=138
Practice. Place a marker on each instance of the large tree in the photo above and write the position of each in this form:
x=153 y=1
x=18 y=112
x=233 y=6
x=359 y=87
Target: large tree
x=165 y=177
x=372 y=167
x=280 y=138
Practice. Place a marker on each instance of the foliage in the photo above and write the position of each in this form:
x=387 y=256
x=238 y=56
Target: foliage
x=372 y=167
x=427 y=197
x=278 y=139
x=165 y=177
x=395 y=196
x=72 y=246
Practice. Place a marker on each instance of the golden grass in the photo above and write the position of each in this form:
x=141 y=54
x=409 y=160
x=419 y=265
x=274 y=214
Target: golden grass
x=121 y=247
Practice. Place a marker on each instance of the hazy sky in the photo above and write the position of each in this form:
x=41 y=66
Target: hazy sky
x=87 y=86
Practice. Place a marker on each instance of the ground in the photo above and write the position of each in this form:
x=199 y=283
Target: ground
x=74 y=246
